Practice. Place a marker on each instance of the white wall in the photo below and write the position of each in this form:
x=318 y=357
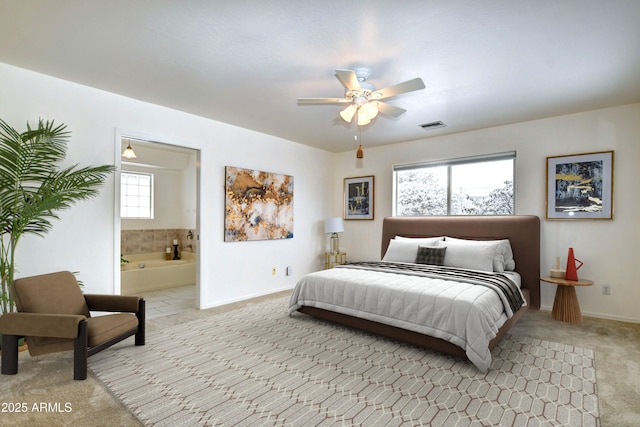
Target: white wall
x=85 y=239
x=188 y=202
x=609 y=249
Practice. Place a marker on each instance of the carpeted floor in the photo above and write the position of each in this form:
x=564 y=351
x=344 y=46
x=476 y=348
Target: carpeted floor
x=48 y=379
x=259 y=367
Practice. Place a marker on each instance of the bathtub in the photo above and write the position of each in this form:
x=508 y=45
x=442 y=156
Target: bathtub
x=151 y=272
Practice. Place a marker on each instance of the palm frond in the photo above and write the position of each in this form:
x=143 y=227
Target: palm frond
x=33 y=189
x=56 y=193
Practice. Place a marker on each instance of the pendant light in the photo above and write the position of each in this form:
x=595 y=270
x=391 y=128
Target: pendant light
x=128 y=152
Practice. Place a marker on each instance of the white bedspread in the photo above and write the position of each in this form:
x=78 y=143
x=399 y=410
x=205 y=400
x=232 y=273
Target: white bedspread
x=466 y=315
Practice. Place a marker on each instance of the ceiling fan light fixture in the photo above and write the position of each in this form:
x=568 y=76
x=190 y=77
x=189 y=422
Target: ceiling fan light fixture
x=362 y=118
x=348 y=113
x=363 y=98
x=128 y=153
x=370 y=109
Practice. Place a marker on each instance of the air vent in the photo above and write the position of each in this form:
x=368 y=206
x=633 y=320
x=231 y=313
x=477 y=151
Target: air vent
x=433 y=125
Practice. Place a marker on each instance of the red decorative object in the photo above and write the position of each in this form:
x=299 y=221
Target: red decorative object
x=572 y=269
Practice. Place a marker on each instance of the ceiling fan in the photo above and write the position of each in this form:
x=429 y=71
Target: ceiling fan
x=363 y=99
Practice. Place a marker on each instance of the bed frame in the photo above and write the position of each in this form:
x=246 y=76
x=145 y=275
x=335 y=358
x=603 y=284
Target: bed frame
x=523 y=231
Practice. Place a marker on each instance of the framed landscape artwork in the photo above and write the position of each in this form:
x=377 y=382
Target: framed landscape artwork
x=258 y=205
x=358 y=197
x=580 y=186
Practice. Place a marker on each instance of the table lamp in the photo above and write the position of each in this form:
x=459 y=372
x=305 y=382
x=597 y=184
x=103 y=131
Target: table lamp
x=334 y=226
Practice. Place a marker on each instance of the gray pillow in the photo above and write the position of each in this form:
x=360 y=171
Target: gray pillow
x=431 y=255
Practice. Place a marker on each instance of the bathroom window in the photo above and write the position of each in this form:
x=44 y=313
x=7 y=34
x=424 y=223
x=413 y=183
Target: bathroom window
x=136 y=195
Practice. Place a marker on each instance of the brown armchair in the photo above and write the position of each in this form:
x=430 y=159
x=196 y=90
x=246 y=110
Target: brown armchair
x=53 y=315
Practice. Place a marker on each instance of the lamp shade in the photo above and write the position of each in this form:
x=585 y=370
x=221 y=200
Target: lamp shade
x=362 y=118
x=348 y=113
x=128 y=153
x=370 y=109
x=333 y=225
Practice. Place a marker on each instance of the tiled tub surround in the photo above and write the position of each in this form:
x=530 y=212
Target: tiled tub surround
x=152 y=272
x=156 y=240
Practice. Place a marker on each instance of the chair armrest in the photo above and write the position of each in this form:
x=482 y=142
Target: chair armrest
x=41 y=324
x=125 y=303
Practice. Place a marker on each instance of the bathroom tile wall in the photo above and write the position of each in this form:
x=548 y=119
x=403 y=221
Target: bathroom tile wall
x=147 y=241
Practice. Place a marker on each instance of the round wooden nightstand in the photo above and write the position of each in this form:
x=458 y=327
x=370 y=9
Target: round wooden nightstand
x=566 y=307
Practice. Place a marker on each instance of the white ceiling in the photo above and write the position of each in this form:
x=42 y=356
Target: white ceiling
x=484 y=63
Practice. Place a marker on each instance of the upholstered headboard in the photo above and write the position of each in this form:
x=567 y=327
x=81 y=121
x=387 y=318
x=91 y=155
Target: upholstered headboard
x=523 y=232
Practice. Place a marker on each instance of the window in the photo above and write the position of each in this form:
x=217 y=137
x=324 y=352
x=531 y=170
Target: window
x=136 y=195
x=470 y=186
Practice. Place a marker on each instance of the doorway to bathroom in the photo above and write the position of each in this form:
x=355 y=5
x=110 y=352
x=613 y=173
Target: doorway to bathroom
x=158 y=207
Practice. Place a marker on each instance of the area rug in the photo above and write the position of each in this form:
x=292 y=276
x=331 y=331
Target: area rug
x=257 y=366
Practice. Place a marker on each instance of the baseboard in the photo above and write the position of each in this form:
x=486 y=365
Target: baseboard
x=249 y=297
x=610 y=317
x=599 y=315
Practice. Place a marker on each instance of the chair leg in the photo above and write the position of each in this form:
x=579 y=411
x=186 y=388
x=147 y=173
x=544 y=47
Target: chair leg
x=140 y=335
x=80 y=352
x=9 y=354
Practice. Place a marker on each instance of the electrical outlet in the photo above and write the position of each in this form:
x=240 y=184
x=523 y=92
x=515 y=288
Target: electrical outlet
x=606 y=289
x=273 y=271
x=289 y=270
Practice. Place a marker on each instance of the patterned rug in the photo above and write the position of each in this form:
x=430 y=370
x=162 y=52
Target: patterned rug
x=256 y=366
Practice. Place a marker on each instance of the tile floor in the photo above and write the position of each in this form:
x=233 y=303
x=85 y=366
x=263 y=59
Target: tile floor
x=169 y=301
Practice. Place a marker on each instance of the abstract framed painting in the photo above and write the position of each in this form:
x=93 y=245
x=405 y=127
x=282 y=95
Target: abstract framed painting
x=580 y=186
x=258 y=205
x=358 y=197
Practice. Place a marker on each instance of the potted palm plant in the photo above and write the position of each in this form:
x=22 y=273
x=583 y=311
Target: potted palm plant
x=34 y=188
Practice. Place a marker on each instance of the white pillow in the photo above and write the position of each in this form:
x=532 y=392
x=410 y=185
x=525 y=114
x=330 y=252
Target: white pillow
x=422 y=241
x=509 y=260
x=510 y=265
x=463 y=255
x=405 y=249
x=503 y=260
x=401 y=251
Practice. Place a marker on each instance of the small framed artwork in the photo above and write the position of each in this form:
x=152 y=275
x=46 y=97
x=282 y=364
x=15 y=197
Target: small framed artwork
x=358 y=197
x=580 y=186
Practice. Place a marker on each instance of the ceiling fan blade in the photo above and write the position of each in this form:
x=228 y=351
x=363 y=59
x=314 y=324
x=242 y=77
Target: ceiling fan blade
x=323 y=100
x=404 y=87
x=390 y=110
x=349 y=80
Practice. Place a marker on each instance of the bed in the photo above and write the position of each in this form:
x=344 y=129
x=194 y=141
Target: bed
x=347 y=294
